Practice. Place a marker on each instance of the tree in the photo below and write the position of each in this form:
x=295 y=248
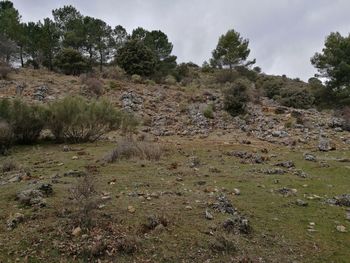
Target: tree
x=9 y=27
x=120 y=37
x=333 y=63
x=49 y=41
x=71 y=62
x=231 y=50
x=136 y=58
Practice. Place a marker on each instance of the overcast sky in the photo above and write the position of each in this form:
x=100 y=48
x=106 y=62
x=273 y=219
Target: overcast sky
x=283 y=34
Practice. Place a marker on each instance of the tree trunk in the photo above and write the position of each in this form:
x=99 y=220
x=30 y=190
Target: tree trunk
x=21 y=56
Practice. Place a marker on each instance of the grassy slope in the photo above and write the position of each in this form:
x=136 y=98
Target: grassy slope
x=280 y=227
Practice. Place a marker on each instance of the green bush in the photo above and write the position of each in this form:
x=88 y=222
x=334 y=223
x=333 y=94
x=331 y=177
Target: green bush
x=236 y=97
x=71 y=62
x=26 y=121
x=136 y=78
x=297 y=98
x=6 y=137
x=226 y=75
x=74 y=119
x=209 y=112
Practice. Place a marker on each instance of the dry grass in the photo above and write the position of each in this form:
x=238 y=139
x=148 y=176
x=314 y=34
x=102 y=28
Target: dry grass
x=128 y=148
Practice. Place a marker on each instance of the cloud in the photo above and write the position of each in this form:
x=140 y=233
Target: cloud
x=283 y=34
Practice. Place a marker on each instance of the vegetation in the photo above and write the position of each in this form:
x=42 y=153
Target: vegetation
x=237 y=97
x=74 y=119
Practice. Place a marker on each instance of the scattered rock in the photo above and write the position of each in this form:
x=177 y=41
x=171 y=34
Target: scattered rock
x=14 y=220
x=237 y=225
x=31 y=197
x=223 y=205
x=340 y=200
x=236 y=191
x=76 y=231
x=131 y=209
x=208 y=215
x=325 y=145
x=286 y=191
x=300 y=202
x=341 y=229
x=40 y=93
x=309 y=157
x=286 y=164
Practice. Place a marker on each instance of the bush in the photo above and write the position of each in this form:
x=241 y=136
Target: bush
x=114 y=72
x=4 y=70
x=6 y=137
x=300 y=99
x=93 y=86
x=226 y=75
x=236 y=97
x=181 y=71
x=26 y=121
x=71 y=62
x=271 y=86
x=128 y=148
x=74 y=119
x=209 y=112
x=8 y=166
x=136 y=78
x=170 y=80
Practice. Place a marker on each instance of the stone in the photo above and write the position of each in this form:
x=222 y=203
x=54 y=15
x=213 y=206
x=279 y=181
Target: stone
x=208 y=215
x=31 y=197
x=300 y=202
x=46 y=189
x=131 y=209
x=286 y=164
x=280 y=134
x=14 y=220
x=66 y=148
x=236 y=191
x=40 y=93
x=341 y=229
x=76 y=231
x=309 y=157
x=75 y=173
x=223 y=205
x=75 y=157
x=325 y=145
x=188 y=207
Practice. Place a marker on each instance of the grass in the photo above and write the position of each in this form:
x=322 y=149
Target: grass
x=279 y=226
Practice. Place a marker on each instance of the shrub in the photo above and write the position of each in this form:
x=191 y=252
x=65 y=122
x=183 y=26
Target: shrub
x=209 y=112
x=346 y=117
x=136 y=78
x=114 y=72
x=26 y=121
x=4 y=70
x=236 y=97
x=271 y=86
x=71 y=62
x=128 y=148
x=74 y=119
x=181 y=71
x=170 y=80
x=226 y=75
x=128 y=124
x=8 y=166
x=6 y=137
x=296 y=98
x=93 y=86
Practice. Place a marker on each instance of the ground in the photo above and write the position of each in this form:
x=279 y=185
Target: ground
x=279 y=226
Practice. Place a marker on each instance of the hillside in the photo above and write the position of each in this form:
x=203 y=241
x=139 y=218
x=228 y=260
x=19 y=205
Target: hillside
x=204 y=189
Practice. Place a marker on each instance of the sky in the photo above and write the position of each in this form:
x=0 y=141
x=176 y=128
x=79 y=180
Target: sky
x=283 y=34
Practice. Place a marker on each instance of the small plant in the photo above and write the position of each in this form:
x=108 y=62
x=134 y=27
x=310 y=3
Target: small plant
x=114 y=72
x=170 y=80
x=93 y=86
x=86 y=199
x=4 y=70
x=6 y=137
x=136 y=78
x=209 y=112
x=128 y=148
x=8 y=166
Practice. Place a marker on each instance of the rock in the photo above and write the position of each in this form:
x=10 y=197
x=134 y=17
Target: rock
x=76 y=231
x=341 y=229
x=194 y=162
x=75 y=157
x=273 y=171
x=237 y=225
x=309 y=157
x=223 y=205
x=286 y=164
x=300 y=173
x=46 y=189
x=131 y=101
x=188 y=207
x=208 y=215
x=340 y=200
x=31 y=197
x=40 y=93
x=325 y=145
x=236 y=191
x=300 y=202
x=280 y=134
x=75 y=173
x=14 y=220
x=66 y=148
x=286 y=191
x=131 y=209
